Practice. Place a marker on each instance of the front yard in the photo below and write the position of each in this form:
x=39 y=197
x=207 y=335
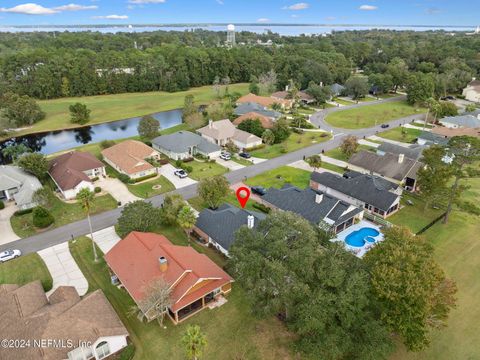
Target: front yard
x=281 y=176
x=202 y=170
x=64 y=213
x=293 y=143
x=338 y=154
x=401 y=134
x=151 y=188
x=26 y=269
x=198 y=204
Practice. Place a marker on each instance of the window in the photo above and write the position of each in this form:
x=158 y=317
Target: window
x=102 y=350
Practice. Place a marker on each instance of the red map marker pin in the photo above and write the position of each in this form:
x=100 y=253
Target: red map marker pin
x=243 y=194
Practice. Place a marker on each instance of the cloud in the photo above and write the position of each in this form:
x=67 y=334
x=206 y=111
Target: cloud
x=368 y=7
x=75 y=7
x=35 y=9
x=298 y=6
x=146 y=1
x=330 y=18
x=295 y=16
x=111 y=17
x=432 y=11
x=263 y=20
x=220 y=2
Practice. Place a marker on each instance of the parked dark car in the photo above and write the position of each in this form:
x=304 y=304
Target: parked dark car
x=259 y=190
x=384 y=126
x=448 y=97
x=245 y=155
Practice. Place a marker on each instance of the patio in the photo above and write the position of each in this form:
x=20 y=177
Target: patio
x=359 y=251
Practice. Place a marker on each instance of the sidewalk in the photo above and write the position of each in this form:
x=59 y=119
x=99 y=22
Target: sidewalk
x=368 y=143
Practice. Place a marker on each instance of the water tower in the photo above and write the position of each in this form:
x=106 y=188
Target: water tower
x=231 y=35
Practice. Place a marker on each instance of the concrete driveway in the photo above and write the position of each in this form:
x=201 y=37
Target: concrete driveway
x=106 y=238
x=230 y=164
x=63 y=268
x=117 y=189
x=6 y=232
x=168 y=170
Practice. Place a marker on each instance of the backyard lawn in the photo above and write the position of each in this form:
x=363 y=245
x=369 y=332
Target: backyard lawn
x=25 y=269
x=149 y=188
x=280 y=176
x=202 y=170
x=366 y=116
x=198 y=204
x=293 y=143
x=63 y=213
x=401 y=133
x=121 y=106
x=231 y=330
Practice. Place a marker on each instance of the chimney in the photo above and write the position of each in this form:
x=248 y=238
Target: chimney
x=318 y=198
x=210 y=123
x=250 y=221
x=162 y=261
x=400 y=158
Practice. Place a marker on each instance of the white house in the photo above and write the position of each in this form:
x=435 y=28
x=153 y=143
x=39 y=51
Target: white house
x=472 y=91
x=223 y=131
x=184 y=145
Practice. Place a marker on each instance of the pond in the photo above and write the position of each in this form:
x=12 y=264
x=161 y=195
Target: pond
x=54 y=141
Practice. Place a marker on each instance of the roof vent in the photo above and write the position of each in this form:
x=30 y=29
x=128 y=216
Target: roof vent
x=162 y=261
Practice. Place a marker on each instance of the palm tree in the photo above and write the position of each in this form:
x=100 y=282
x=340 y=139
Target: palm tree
x=194 y=342
x=86 y=198
x=186 y=219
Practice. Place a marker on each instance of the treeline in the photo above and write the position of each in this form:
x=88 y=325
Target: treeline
x=52 y=65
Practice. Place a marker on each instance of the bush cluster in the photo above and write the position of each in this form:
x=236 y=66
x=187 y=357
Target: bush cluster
x=42 y=217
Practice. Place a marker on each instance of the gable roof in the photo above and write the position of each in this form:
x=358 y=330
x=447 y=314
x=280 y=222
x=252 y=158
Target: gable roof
x=469 y=121
x=262 y=100
x=13 y=177
x=266 y=121
x=130 y=155
x=248 y=107
x=26 y=313
x=370 y=189
x=302 y=95
x=135 y=260
x=336 y=88
x=225 y=130
x=222 y=223
x=431 y=137
x=68 y=169
x=181 y=141
x=303 y=202
x=386 y=165
x=413 y=151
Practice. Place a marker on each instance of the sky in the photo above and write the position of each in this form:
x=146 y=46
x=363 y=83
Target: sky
x=379 y=12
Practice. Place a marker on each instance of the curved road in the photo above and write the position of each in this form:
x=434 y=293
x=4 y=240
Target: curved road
x=109 y=218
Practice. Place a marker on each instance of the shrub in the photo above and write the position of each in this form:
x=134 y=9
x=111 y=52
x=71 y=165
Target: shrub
x=95 y=179
x=22 y=212
x=263 y=208
x=258 y=147
x=105 y=144
x=123 y=178
x=143 y=178
x=42 y=217
x=97 y=189
x=2 y=205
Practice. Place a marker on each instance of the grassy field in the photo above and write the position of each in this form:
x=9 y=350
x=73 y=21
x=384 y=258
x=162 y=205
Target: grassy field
x=365 y=116
x=280 y=176
x=231 y=330
x=121 y=106
x=63 y=213
x=26 y=269
x=293 y=143
x=145 y=189
x=202 y=170
x=407 y=135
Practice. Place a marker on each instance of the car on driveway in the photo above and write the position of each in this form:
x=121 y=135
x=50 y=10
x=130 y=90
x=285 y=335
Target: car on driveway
x=448 y=97
x=259 y=190
x=384 y=126
x=9 y=255
x=226 y=156
x=245 y=155
x=182 y=174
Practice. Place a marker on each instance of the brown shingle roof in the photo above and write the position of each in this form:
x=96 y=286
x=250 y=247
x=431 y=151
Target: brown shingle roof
x=284 y=95
x=263 y=100
x=130 y=156
x=68 y=169
x=266 y=122
x=64 y=317
x=450 y=132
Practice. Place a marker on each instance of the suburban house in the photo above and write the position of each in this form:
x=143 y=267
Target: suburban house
x=131 y=157
x=337 y=89
x=223 y=131
x=249 y=107
x=432 y=138
x=267 y=122
x=460 y=121
x=264 y=101
x=184 y=145
x=372 y=193
x=449 y=132
x=303 y=97
x=395 y=168
x=196 y=282
x=18 y=185
x=84 y=328
x=74 y=171
x=413 y=151
x=218 y=227
x=326 y=211
x=472 y=91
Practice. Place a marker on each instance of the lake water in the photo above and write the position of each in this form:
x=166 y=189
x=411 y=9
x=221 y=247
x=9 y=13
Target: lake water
x=54 y=141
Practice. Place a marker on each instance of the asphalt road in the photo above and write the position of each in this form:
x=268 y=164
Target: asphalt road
x=109 y=218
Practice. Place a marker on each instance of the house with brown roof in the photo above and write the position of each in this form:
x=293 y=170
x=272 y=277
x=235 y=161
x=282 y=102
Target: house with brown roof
x=60 y=326
x=223 y=131
x=267 y=122
x=130 y=157
x=196 y=282
x=265 y=101
x=472 y=91
x=303 y=97
x=451 y=132
x=74 y=171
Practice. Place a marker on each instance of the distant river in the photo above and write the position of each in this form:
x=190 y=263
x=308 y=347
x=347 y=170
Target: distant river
x=54 y=141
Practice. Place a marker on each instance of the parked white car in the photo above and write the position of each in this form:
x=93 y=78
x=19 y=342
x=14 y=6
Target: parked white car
x=181 y=173
x=9 y=255
x=226 y=156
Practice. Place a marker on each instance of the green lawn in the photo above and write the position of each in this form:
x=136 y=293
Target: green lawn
x=343 y=102
x=231 y=330
x=121 y=106
x=198 y=204
x=25 y=269
x=145 y=189
x=365 y=116
x=332 y=167
x=62 y=212
x=339 y=155
x=293 y=143
x=202 y=170
x=280 y=176
x=407 y=135
x=241 y=161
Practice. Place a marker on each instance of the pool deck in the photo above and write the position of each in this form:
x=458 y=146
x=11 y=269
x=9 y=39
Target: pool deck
x=358 y=251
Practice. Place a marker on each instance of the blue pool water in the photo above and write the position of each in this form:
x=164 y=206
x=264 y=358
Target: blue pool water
x=358 y=237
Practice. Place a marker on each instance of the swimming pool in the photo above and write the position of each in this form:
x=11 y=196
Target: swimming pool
x=358 y=237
